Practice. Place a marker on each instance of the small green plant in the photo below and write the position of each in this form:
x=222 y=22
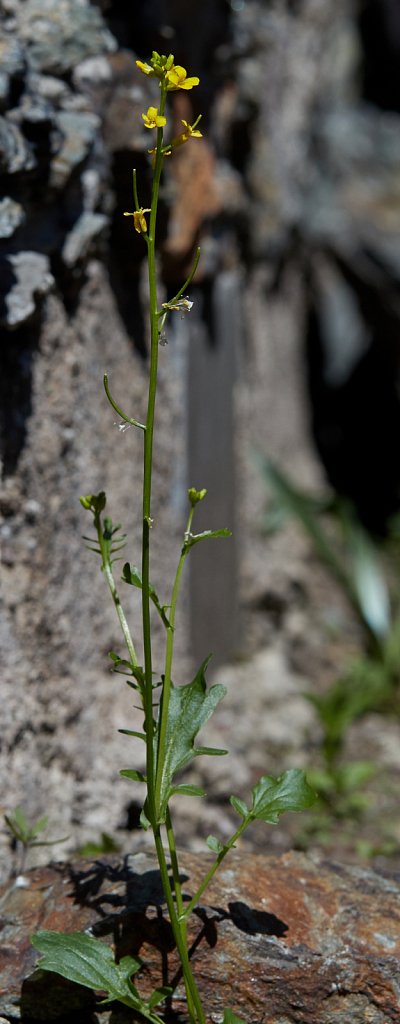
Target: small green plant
x=25 y=836
x=173 y=715
x=371 y=681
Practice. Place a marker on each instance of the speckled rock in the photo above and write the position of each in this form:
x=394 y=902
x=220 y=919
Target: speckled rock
x=60 y=33
x=287 y=940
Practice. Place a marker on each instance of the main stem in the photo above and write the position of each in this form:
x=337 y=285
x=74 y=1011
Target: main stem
x=179 y=931
x=147 y=477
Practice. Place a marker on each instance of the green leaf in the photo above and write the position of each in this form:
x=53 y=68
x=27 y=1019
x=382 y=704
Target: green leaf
x=190 y=707
x=130 y=773
x=194 y=538
x=289 y=792
x=188 y=790
x=132 y=575
x=231 y=1018
x=214 y=844
x=239 y=806
x=89 y=962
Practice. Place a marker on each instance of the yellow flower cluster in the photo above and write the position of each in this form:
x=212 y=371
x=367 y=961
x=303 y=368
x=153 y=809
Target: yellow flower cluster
x=153 y=119
x=190 y=131
x=139 y=220
x=172 y=76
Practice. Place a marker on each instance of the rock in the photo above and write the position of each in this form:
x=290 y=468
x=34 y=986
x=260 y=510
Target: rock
x=30 y=278
x=58 y=34
x=11 y=216
x=285 y=939
x=15 y=151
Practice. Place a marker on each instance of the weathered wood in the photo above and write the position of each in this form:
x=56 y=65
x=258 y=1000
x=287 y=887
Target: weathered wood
x=214 y=346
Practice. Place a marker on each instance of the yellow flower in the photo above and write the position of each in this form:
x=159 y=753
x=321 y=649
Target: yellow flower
x=153 y=119
x=190 y=132
x=139 y=220
x=176 y=78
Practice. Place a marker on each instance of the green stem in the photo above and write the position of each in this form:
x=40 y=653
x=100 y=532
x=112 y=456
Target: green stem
x=169 y=650
x=106 y=567
x=147 y=476
x=178 y=898
x=214 y=867
x=179 y=929
x=197 y=1014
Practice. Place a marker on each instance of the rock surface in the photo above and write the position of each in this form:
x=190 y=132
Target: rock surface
x=286 y=940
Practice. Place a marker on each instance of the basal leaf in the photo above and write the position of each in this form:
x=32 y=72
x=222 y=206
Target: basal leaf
x=89 y=962
x=289 y=792
x=190 y=707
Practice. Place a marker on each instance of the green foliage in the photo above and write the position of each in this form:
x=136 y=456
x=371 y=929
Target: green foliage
x=26 y=833
x=348 y=552
x=105 y=844
x=371 y=682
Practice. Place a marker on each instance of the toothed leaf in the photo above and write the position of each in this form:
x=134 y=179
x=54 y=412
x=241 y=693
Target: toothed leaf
x=289 y=792
x=190 y=707
x=89 y=962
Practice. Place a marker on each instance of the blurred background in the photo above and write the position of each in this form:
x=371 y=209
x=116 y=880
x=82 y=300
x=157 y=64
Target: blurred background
x=279 y=393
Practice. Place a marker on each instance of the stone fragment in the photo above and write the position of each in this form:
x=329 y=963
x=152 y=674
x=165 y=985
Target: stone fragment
x=15 y=152
x=79 y=130
x=27 y=277
x=11 y=216
x=78 y=242
x=286 y=940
